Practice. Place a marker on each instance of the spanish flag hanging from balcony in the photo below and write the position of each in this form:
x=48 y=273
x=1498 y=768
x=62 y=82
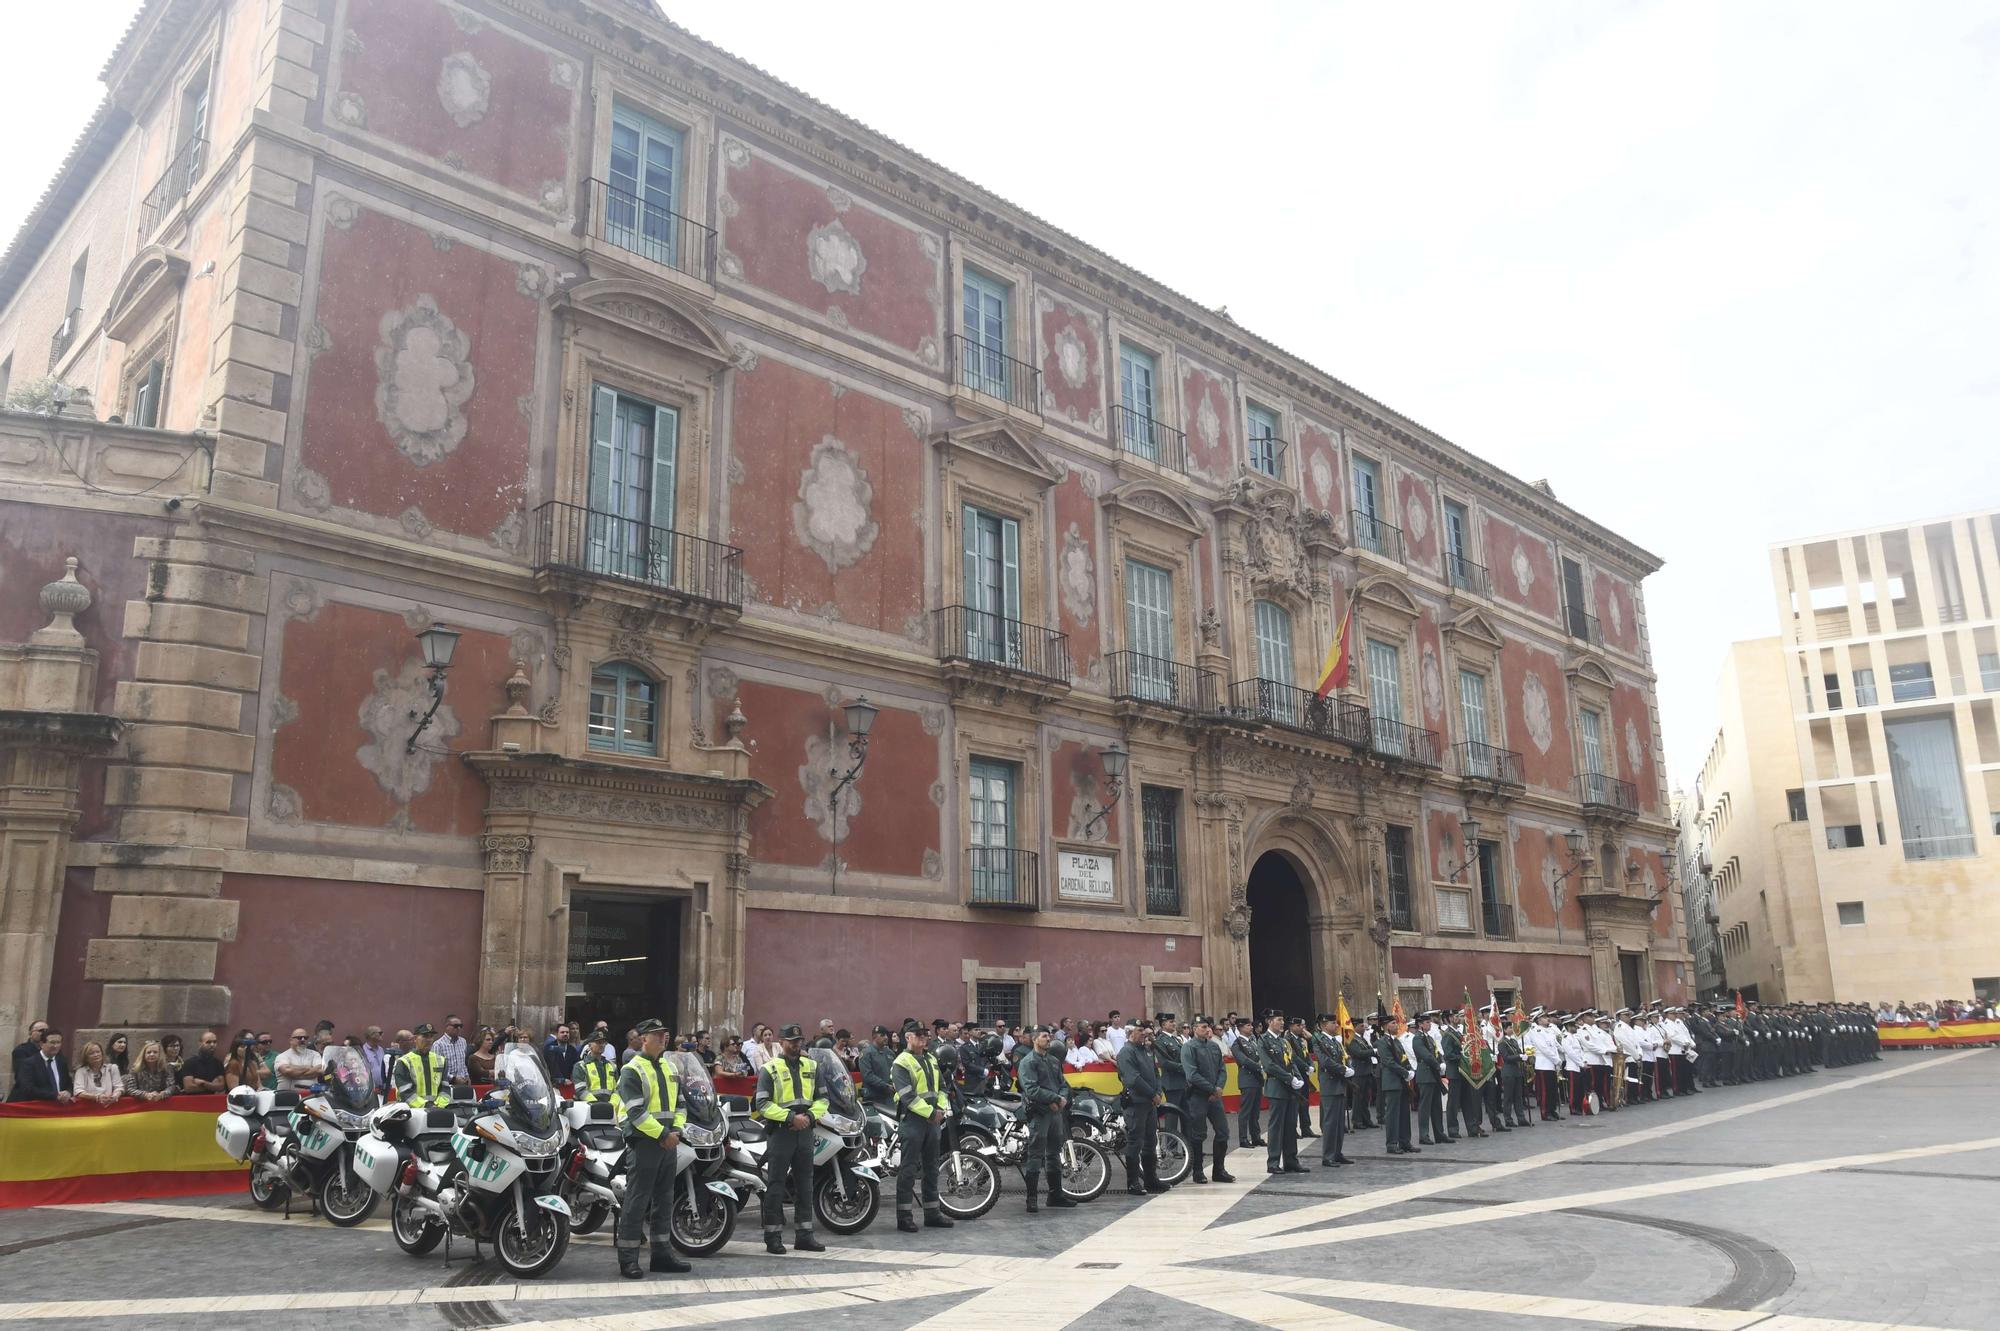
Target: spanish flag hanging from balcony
x=1339 y=657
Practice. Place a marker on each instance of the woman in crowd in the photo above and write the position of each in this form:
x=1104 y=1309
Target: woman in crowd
x=244 y=1067
x=150 y=1079
x=479 y=1063
x=118 y=1053
x=170 y=1049
x=729 y=1057
x=98 y=1081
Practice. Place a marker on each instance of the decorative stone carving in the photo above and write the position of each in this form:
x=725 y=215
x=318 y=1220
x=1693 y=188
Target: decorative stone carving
x=311 y=490
x=1236 y=920
x=506 y=852
x=608 y=806
x=1274 y=551
x=1430 y=678
x=834 y=258
x=817 y=775
x=1416 y=517
x=1535 y=711
x=1302 y=792
x=341 y=211
x=284 y=711
x=349 y=109
x=63 y=600
x=735 y=152
x=1072 y=359
x=415 y=525
x=1524 y=571
x=833 y=517
x=283 y=804
x=723 y=682
x=385 y=715
x=933 y=865
x=423 y=377
x=933 y=719
x=637 y=646
x=463 y=87
x=1322 y=475
x=1076 y=574
x=507 y=535
x=517 y=688
x=554 y=195
x=1211 y=628
x=937 y=793
x=301 y=599
x=1635 y=753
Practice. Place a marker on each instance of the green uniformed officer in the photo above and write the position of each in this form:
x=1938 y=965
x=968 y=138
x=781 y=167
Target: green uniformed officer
x=790 y=1105
x=1045 y=1093
x=595 y=1076
x=1284 y=1083
x=1301 y=1038
x=1139 y=1098
x=419 y=1075
x=878 y=1085
x=922 y=1106
x=1207 y=1076
x=654 y=1118
x=1331 y=1053
x=1167 y=1040
x=1249 y=1086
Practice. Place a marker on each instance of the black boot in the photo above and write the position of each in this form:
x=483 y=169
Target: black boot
x=1217 y=1172
x=1034 y=1193
x=935 y=1218
x=1197 y=1165
x=1133 y=1184
x=665 y=1260
x=773 y=1244
x=804 y=1241
x=905 y=1222
x=628 y=1264
x=1149 y=1170
x=1058 y=1199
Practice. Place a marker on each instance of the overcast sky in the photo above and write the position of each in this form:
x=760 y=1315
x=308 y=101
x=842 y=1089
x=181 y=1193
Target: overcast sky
x=1725 y=274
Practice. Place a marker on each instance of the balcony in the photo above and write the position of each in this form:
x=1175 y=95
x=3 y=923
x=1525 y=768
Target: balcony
x=647 y=227
x=1145 y=437
x=1494 y=921
x=1582 y=627
x=174 y=184
x=1298 y=709
x=1003 y=877
x=1136 y=677
x=583 y=543
x=65 y=334
x=1376 y=536
x=1411 y=744
x=1266 y=454
x=1466 y=576
x=1483 y=762
x=984 y=372
x=983 y=638
x=1599 y=793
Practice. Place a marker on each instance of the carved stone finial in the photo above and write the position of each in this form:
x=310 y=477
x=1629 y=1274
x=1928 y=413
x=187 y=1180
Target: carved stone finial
x=1211 y=628
x=79 y=405
x=517 y=686
x=732 y=725
x=63 y=600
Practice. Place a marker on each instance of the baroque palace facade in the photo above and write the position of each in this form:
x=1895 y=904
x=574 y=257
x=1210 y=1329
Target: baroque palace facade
x=698 y=412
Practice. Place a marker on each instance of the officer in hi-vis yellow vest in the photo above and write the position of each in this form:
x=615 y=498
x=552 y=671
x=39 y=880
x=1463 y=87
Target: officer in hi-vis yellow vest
x=653 y=1122
x=418 y=1076
x=790 y=1104
x=922 y=1106
x=595 y=1076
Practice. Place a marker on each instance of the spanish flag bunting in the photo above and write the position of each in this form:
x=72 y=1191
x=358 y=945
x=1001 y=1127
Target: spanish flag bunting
x=1339 y=656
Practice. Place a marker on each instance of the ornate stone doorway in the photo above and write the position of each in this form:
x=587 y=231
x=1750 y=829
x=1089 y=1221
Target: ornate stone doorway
x=1281 y=966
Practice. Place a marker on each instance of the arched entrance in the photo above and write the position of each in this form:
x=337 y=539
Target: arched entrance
x=1281 y=974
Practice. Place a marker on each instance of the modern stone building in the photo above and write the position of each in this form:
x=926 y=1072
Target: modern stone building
x=698 y=411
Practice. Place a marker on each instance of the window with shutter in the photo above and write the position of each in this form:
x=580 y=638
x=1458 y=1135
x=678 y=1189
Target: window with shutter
x=634 y=455
x=1385 y=695
x=1149 y=629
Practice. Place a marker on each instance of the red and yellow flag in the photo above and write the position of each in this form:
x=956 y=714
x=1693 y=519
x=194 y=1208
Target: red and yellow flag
x=1339 y=656
x=1475 y=1060
x=1397 y=1021
x=1346 y=1021
x=1519 y=1017
x=1741 y=1014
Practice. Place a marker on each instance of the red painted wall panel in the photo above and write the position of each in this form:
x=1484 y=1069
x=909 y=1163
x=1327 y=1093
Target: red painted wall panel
x=843 y=470
x=1537 y=702
x=1539 y=856
x=1320 y=471
x=357 y=953
x=418 y=73
x=1437 y=695
x=897 y=821
x=1416 y=513
x=409 y=323
x=1208 y=414
x=1546 y=981
x=801 y=967
x=352 y=672
x=1071 y=351
x=1079 y=573
x=1077 y=792
x=1666 y=987
x=1632 y=735
x=1611 y=598
x=1530 y=580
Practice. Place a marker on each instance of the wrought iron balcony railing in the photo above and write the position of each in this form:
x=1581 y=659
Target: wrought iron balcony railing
x=1299 y=709
x=65 y=334
x=991 y=373
x=1484 y=762
x=966 y=634
x=583 y=541
x=1003 y=876
x=1155 y=679
x=1495 y=920
x=1596 y=790
x=649 y=227
x=1467 y=576
x=174 y=184
x=1149 y=439
x=1582 y=627
x=1396 y=739
x=1163 y=890
x=1266 y=454
x=1376 y=536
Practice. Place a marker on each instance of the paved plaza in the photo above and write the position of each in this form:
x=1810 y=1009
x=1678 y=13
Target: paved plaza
x=1855 y=1198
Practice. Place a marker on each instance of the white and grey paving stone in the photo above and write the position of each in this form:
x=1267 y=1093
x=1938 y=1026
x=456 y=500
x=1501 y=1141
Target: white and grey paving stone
x=1853 y=1199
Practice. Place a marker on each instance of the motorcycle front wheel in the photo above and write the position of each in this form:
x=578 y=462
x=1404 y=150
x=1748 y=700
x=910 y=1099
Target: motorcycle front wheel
x=267 y=1192
x=968 y=1185
x=346 y=1205
x=701 y=1226
x=533 y=1252
x=1086 y=1170
x=849 y=1216
x=416 y=1231
x=1172 y=1151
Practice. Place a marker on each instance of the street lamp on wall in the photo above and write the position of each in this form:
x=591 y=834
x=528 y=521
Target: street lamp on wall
x=1468 y=834
x=438 y=643
x=861 y=716
x=1114 y=759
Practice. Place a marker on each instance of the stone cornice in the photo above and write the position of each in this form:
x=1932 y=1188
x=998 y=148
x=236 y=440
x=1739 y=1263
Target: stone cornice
x=67 y=732
x=550 y=785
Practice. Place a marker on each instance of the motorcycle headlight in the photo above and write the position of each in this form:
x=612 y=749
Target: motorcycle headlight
x=841 y=1124
x=694 y=1134
x=529 y=1145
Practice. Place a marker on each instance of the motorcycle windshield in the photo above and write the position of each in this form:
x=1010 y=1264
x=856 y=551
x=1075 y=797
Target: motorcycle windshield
x=531 y=1100
x=836 y=1083
x=697 y=1089
x=348 y=1085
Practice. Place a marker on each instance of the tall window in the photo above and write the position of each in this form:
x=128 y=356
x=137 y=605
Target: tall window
x=634 y=447
x=146 y=395
x=193 y=130
x=985 y=368
x=1457 y=544
x=644 y=199
x=990 y=798
x=1864 y=687
x=992 y=586
x=1160 y=814
x=1385 y=695
x=1989 y=662
x=623 y=709
x=1493 y=915
x=1592 y=727
x=78 y=271
x=1263 y=440
x=1930 y=788
x=1795 y=805
x=1396 y=854
x=1274 y=642
x=1367 y=505
x=1472 y=718
x=1832 y=683
x=1149 y=629
x=1136 y=370
x=1575 y=612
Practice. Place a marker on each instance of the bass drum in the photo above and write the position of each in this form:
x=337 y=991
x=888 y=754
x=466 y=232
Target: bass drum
x=1172 y=1150
x=852 y=1215
x=701 y=1225
x=1086 y=1170
x=968 y=1185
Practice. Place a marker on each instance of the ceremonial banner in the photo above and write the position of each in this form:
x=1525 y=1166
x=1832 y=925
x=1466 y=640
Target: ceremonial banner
x=1944 y=1035
x=1346 y=1021
x=53 y=1153
x=1475 y=1060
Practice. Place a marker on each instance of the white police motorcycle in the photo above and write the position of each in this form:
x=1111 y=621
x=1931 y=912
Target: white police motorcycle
x=305 y=1144
x=847 y=1191
x=498 y=1183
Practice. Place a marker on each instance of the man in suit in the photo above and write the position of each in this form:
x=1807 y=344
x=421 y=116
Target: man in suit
x=45 y=1076
x=1393 y=1069
x=1250 y=1087
x=27 y=1049
x=1284 y=1083
x=1429 y=1081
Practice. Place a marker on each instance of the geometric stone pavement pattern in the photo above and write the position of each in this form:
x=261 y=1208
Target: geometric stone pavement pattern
x=1413 y=1253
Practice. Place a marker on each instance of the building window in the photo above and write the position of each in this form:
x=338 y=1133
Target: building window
x=634 y=452
x=1367 y=505
x=1592 y=727
x=1274 y=642
x=1989 y=662
x=642 y=204
x=990 y=798
x=6 y=378
x=1795 y=802
x=1264 y=445
x=1930 y=791
x=1492 y=911
x=623 y=709
x=1385 y=695
x=1851 y=913
x=1458 y=546
x=1864 y=687
x=1136 y=372
x=1472 y=717
x=1832 y=683
x=1396 y=854
x=146 y=395
x=1149 y=629
x=1160 y=814
x=992 y=557
x=1576 y=614
x=986 y=367
x=1911 y=682
x=1000 y=1002
x=1845 y=837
